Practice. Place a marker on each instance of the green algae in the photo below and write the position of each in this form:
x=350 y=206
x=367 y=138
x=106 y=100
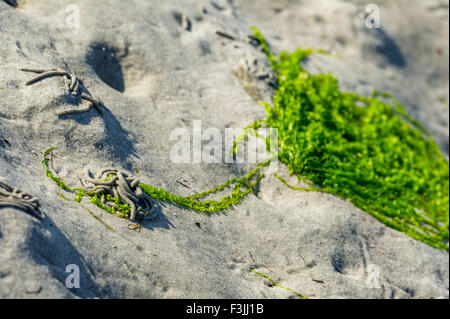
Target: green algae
x=363 y=149
x=242 y=186
x=275 y=284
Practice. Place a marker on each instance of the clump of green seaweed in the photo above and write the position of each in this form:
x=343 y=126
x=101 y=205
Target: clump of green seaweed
x=363 y=149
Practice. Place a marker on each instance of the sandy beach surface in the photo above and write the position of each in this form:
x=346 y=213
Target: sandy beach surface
x=158 y=66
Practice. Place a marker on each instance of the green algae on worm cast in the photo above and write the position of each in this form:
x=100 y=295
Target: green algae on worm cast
x=241 y=187
x=367 y=150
